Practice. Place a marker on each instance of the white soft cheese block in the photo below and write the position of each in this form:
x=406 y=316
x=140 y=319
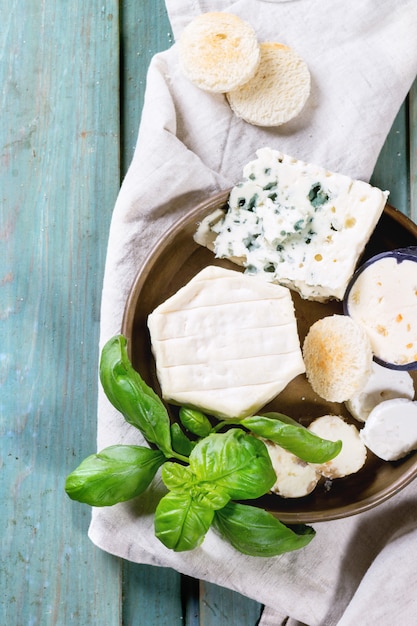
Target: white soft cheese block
x=298 y=224
x=383 y=384
x=383 y=299
x=390 y=431
x=225 y=343
x=295 y=478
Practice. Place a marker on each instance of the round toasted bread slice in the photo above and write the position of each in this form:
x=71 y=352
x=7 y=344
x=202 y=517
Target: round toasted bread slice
x=338 y=357
x=277 y=92
x=218 y=51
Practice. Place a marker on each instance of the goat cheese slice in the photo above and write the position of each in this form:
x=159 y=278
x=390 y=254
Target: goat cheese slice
x=383 y=384
x=390 y=431
x=225 y=343
x=295 y=478
x=297 y=224
x=352 y=456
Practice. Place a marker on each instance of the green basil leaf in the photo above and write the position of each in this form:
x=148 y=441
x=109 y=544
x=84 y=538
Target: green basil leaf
x=181 y=523
x=294 y=438
x=179 y=440
x=116 y=474
x=176 y=476
x=195 y=421
x=236 y=461
x=211 y=495
x=129 y=394
x=256 y=532
x=180 y=478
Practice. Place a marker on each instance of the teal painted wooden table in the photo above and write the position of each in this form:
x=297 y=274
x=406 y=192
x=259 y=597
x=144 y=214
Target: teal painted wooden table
x=73 y=80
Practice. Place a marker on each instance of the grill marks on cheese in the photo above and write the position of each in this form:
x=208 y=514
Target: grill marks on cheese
x=225 y=343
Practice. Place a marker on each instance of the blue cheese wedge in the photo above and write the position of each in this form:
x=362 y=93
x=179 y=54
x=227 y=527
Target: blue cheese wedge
x=296 y=224
x=225 y=343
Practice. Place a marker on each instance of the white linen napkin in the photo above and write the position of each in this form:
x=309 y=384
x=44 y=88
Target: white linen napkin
x=363 y=59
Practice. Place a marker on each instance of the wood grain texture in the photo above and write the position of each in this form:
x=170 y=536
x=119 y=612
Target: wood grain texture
x=59 y=176
x=145 y=30
x=149 y=593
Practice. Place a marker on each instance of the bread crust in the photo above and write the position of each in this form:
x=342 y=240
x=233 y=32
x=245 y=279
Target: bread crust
x=277 y=92
x=338 y=357
x=218 y=51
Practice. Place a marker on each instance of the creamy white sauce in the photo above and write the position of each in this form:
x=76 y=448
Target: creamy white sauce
x=384 y=300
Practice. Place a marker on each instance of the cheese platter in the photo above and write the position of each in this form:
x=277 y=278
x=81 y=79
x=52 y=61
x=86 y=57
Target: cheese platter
x=173 y=262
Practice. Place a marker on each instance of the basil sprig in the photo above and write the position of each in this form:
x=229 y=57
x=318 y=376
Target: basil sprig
x=222 y=467
x=204 y=473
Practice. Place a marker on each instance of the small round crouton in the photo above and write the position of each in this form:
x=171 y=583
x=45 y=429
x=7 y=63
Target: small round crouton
x=338 y=357
x=218 y=51
x=277 y=92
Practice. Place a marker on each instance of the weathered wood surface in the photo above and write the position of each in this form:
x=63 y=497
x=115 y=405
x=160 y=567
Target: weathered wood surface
x=73 y=78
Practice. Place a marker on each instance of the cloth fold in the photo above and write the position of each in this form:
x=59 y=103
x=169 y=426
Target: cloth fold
x=363 y=60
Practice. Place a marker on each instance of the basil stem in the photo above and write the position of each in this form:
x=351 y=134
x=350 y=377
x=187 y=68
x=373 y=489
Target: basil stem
x=129 y=394
x=293 y=437
x=116 y=474
x=256 y=532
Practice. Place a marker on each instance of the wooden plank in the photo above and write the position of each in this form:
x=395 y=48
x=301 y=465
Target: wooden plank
x=223 y=606
x=150 y=595
x=413 y=151
x=59 y=177
x=391 y=170
x=396 y=168
x=145 y=30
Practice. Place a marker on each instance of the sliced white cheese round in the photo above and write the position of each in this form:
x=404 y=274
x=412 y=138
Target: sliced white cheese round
x=390 y=431
x=353 y=453
x=295 y=478
x=383 y=384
